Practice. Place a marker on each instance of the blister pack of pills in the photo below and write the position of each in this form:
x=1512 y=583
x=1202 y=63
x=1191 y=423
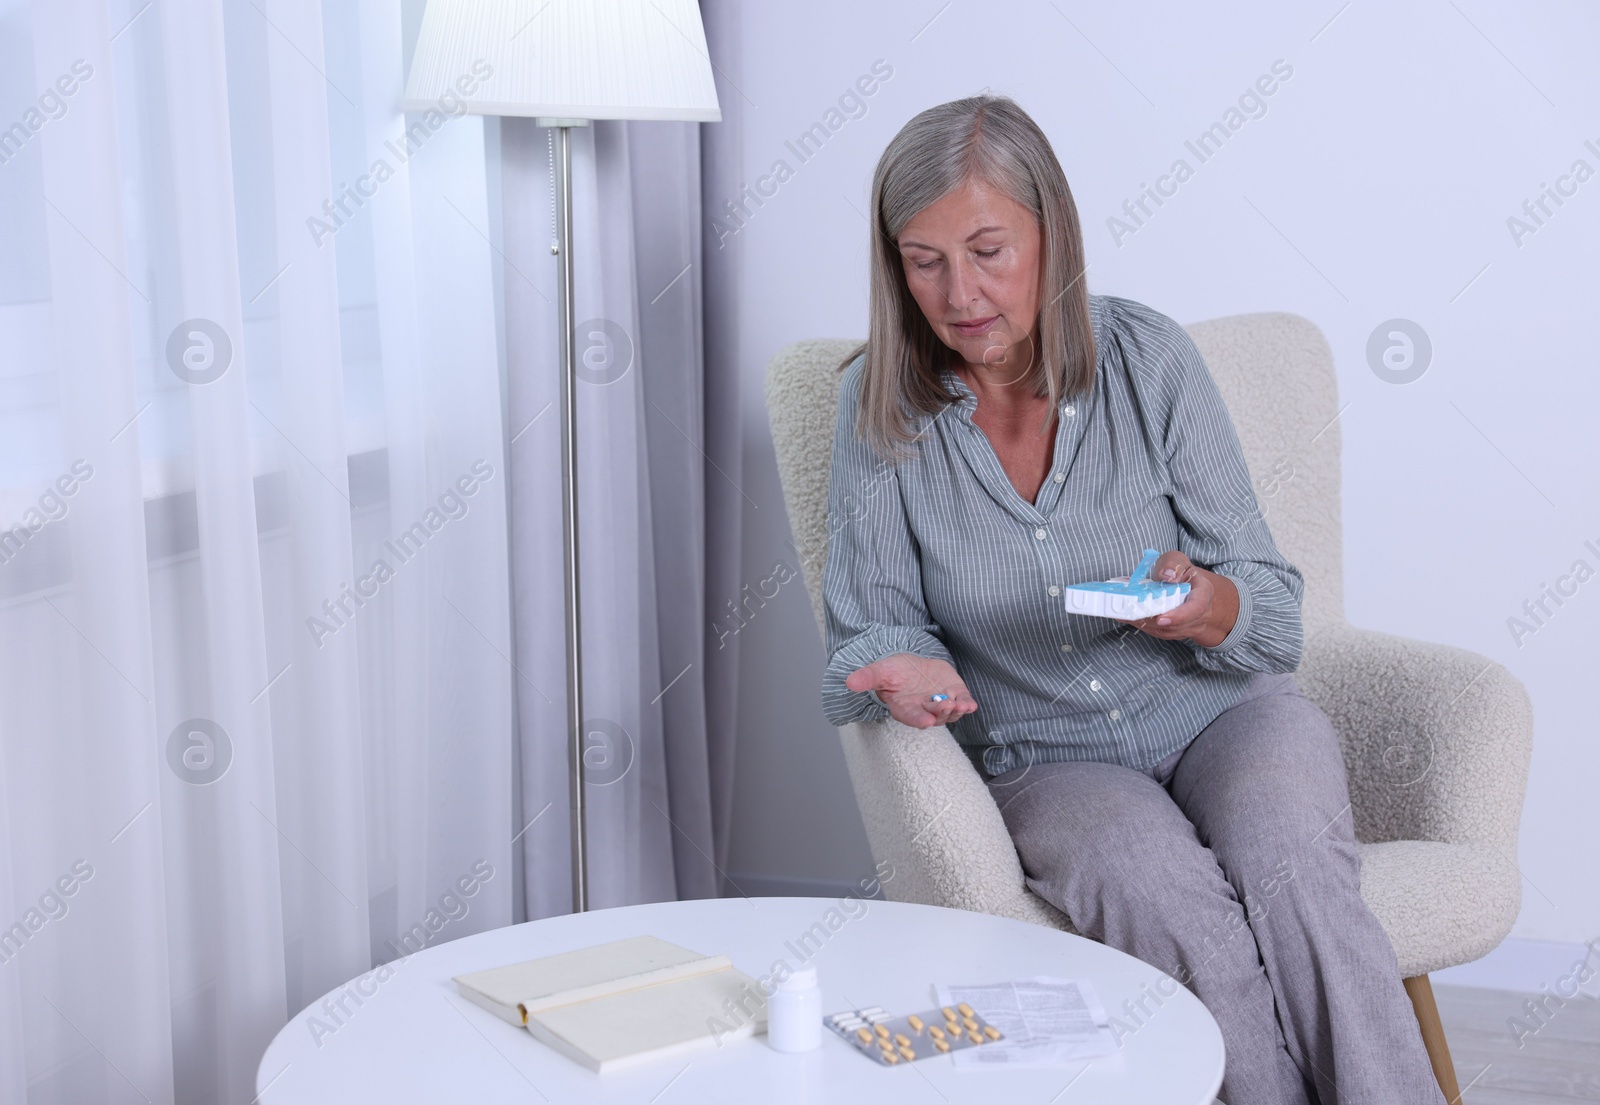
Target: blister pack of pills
x=892 y=1040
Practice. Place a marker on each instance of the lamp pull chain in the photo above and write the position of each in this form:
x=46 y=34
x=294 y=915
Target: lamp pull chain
x=549 y=144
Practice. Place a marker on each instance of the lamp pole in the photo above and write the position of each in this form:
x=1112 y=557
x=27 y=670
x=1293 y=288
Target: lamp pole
x=569 y=509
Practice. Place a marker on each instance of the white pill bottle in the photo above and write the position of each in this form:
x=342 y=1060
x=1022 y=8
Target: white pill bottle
x=794 y=1013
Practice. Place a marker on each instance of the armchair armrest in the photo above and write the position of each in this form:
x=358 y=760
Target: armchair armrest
x=1436 y=739
x=929 y=814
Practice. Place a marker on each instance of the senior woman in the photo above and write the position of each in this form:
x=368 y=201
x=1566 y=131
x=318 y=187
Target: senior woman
x=1003 y=434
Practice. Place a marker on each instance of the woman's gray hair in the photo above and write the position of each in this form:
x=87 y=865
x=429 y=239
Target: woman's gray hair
x=987 y=138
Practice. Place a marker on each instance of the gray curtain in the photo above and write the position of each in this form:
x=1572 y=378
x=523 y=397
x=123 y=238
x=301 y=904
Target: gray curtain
x=660 y=511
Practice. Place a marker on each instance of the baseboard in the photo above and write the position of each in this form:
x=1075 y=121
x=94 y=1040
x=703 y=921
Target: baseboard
x=1530 y=967
x=791 y=886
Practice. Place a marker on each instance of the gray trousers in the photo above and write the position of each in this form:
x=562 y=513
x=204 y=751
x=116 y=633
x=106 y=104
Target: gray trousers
x=1232 y=867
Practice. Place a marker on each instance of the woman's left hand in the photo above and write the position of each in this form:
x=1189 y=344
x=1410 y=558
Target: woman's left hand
x=1206 y=615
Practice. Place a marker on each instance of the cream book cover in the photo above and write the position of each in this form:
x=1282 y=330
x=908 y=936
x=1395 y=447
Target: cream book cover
x=623 y=1003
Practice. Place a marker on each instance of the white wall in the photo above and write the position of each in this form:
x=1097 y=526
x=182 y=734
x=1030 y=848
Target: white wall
x=1377 y=185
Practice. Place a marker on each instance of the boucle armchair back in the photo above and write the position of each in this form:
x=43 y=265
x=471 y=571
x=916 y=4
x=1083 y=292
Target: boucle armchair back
x=802 y=391
x=1275 y=372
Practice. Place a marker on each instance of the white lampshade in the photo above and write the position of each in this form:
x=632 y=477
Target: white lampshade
x=579 y=59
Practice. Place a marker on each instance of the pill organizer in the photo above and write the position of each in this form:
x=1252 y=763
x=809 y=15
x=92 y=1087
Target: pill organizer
x=1136 y=598
x=892 y=1040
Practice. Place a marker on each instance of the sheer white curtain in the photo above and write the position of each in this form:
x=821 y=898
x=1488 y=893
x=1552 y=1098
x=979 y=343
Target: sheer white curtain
x=255 y=649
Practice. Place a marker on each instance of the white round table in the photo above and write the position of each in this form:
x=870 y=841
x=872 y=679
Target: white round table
x=413 y=1038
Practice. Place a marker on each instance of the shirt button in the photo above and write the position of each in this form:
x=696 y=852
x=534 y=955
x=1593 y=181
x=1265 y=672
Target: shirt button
x=1114 y=715
x=1066 y=646
x=1060 y=476
x=1094 y=684
x=1053 y=591
x=1041 y=533
x=1069 y=410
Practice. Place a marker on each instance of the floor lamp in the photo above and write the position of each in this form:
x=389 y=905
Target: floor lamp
x=565 y=63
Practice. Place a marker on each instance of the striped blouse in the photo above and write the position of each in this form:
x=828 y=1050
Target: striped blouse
x=939 y=555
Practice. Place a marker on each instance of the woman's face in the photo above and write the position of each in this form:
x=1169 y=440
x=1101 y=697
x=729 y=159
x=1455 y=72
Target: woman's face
x=971 y=261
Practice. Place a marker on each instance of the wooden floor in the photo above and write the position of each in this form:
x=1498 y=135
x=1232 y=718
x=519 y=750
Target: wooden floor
x=1558 y=1060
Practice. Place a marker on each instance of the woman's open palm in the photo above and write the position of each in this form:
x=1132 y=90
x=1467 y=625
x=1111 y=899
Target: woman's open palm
x=906 y=683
